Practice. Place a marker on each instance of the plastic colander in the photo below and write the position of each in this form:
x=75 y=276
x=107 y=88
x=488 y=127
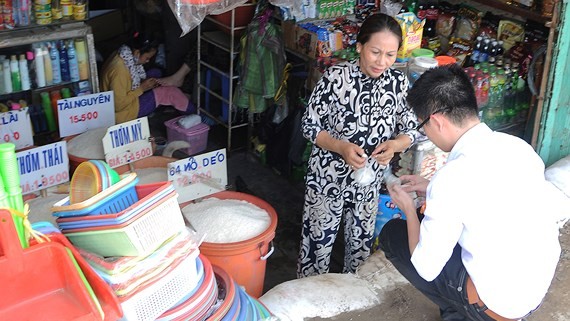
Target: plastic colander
x=85 y=183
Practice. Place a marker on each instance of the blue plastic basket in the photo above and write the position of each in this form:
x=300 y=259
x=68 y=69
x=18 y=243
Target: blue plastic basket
x=111 y=200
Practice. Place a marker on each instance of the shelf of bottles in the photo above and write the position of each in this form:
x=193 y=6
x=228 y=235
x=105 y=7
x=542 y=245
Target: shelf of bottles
x=23 y=14
x=37 y=74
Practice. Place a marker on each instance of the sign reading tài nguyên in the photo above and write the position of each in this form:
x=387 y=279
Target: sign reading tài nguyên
x=43 y=167
x=127 y=142
x=79 y=114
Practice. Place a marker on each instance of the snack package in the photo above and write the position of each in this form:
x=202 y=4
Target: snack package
x=412 y=30
x=459 y=49
x=467 y=25
x=510 y=32
x=446 y=20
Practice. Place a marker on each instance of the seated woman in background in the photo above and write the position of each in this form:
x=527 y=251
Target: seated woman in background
x=137 y=94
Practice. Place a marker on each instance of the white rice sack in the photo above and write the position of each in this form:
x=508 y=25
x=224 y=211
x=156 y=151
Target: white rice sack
x=559 y=175
x=88 y=145
x=226 y=221
x=323 y=296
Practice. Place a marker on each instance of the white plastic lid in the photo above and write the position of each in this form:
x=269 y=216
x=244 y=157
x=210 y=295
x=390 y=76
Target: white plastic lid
x=425 y=62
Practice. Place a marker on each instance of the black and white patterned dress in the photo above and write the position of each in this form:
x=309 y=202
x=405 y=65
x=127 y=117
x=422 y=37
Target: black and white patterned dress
x=366 y=111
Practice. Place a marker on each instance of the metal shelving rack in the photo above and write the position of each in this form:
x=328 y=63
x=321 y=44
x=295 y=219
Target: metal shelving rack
x=228 y=42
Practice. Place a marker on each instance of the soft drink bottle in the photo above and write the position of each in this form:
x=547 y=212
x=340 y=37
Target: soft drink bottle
x=493 y=90
x=476 y=51
x=484 y=56
x=494 y=49
x=500 y=48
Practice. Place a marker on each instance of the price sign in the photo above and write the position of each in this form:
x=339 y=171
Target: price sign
x=127 y=142
x=16 y=128
x=43 y=167
x=79 y=114
x=200 y=175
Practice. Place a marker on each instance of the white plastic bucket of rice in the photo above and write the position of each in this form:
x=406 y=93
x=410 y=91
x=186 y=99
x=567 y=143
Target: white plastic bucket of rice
x=239 y=229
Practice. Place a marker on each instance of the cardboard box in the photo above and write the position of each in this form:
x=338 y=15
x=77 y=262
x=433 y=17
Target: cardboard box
x=306 y=42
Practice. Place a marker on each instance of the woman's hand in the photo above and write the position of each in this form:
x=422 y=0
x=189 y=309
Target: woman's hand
x=385 y=152
x=414 y=183
x=353 y=154
x=149 y=84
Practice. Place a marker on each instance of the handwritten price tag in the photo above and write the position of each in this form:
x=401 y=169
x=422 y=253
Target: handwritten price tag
x=16 y=128
x=79 y=114
x=200 y=175
x=127 y=142
x=43 y=167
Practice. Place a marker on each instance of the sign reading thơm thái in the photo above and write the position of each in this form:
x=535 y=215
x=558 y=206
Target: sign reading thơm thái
x=79 y=114
x=16 y=128
x=43 y=167
x=127 y=142
x=200 y=175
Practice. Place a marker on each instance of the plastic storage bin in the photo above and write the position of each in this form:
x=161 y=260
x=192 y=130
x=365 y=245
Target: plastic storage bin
x=111 y=200
x=152 y=301
x=418 y=66
x=196 y=136
x=155 y=224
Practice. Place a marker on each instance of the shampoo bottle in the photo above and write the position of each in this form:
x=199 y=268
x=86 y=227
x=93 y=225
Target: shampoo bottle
x=73 y=65
x=24 y=73
x=55 y=68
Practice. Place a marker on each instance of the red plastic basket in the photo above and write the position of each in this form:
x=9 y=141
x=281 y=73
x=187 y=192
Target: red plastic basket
x=108 y=300
x=40 y=282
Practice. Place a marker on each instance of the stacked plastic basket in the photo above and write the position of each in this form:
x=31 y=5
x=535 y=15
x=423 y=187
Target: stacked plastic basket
x=134 y=237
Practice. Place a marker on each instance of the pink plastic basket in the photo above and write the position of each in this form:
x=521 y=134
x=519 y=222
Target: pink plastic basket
x=196 y=136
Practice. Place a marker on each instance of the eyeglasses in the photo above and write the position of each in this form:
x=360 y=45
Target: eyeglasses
x=422 y=124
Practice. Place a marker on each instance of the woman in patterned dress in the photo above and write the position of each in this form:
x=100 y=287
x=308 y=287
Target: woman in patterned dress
x=357 y=116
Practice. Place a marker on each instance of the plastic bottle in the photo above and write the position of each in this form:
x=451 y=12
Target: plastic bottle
x=54 y=96
x=40 y=69
x=63 y=61
x=48 y=70
x=48 y=112
x=500 y=48
x=7 y=76
x=476 y=51
x=485 y=50
x=432 y=13
x=55 y=67
x=31 y=68
x=81 y=54
x=494 y=49
x=65 y=93
x=15 y=71
x=24 y=13
x=493 y=90
x=2 y=87
x=24 y=73
x=73 y=64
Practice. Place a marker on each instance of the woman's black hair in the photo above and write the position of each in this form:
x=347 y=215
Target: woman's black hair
x=142 y=42
x=377 y=23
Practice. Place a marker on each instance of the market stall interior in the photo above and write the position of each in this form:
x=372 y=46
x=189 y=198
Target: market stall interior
x=117 y=227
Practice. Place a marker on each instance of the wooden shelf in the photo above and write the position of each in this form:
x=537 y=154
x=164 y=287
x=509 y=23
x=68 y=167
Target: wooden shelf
x=525 y=13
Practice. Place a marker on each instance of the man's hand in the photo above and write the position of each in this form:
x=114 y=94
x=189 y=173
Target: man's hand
x=414 y=183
